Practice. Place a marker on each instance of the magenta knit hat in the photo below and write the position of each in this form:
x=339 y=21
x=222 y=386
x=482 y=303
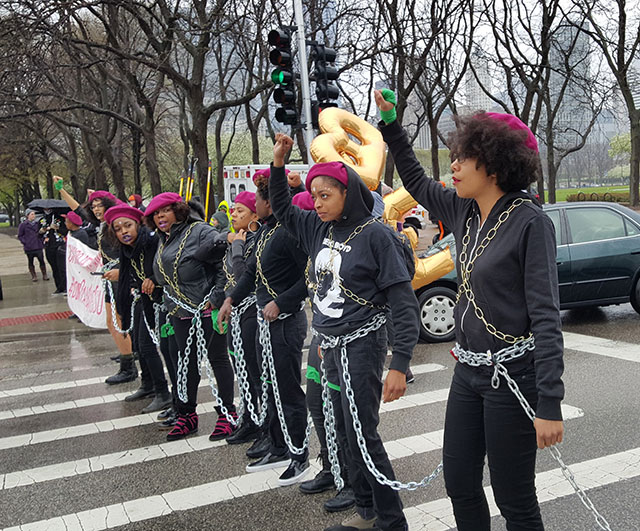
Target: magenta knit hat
x=73 y=218
x=266 y=173
x=162 y=200
x=515 y=123
x=247 y=199
x=123 y=211
x=101 y=194
x=337 y=170
x=304 y=201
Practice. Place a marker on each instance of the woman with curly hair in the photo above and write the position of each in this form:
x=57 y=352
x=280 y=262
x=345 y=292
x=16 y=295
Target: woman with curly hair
x=98 y=203
x=507 y=317
x=188 y=266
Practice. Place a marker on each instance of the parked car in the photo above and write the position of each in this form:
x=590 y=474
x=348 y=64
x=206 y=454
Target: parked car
x=4 y=218
x=598 y=257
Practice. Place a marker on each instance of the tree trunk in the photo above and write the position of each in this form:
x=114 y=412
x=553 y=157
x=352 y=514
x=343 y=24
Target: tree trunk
x=151 y=162
x=435 y=148
x=634 y=162
x=136 y=148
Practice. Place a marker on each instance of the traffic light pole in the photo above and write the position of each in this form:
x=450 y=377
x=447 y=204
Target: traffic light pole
x=304 y=78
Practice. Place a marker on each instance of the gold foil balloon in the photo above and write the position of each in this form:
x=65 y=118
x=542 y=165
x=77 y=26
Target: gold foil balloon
x=335 y=144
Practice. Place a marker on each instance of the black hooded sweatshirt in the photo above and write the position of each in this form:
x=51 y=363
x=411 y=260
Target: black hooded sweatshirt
x=371 y=265
x=515 y=280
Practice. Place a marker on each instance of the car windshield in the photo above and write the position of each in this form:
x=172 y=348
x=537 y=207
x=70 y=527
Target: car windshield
x=441 y=245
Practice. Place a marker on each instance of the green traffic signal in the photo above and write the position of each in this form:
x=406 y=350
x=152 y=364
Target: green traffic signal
x=281 y=77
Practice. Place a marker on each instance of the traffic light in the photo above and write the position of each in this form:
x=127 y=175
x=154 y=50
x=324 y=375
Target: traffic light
x=283 y=76
x=324 y=73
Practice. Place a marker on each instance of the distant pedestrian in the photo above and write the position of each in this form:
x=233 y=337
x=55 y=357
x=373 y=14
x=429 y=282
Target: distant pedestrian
x=31 y=239
x=54 y=231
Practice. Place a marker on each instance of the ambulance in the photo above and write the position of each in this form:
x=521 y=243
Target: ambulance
x=240 y=178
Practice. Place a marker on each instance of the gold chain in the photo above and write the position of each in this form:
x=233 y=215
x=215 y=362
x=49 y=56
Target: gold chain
x=173 y=282
x=231 y=281
x=467 y=265
x=323 y=273
x=260 y=245
x=139 y=271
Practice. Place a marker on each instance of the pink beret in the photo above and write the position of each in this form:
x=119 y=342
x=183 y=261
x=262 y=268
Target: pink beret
x=304 y=201
x=162 y=200
x=337 y=170
x=515 y=123
x=266 y=173
x=247 y=199
x=73 y=218
x=123 y=211
x=102 y=194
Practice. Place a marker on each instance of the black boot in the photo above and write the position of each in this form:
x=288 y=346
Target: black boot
x=260 y=447
x=160 y=402
x=146 y=384
x=127 y=372
x=248 y=432
x=345 y=499
x=43 y=270
x=323 y=480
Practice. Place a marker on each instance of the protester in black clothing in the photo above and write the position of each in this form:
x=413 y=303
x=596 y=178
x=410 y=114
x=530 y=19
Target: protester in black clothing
x=276 y=272
x=31 y=239
x=508 y=299
x=74 y=223
x=54 y=231
x=138 y=247
x=188 y=266
x=358 y=266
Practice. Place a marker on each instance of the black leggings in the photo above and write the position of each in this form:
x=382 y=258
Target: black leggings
x=150 y=361
x=218 y=357
x=32 y=255
x=483 y=421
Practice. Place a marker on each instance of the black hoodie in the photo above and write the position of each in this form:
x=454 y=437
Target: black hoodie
x=371 y=265
x=515 y=281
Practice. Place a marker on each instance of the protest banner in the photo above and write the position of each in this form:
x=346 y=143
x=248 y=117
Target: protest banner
x=85 y=293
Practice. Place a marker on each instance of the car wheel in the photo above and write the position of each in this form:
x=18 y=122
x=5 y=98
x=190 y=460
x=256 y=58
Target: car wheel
x=635 y=295
x=437 y=323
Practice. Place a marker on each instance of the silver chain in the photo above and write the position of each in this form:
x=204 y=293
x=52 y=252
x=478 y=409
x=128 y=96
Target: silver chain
x=241 y=365
x=496 y=360
x=154 y=333
x=330 y=429
x=114 y=317
x=201 y=352
x=342 y=341
x=267 y=353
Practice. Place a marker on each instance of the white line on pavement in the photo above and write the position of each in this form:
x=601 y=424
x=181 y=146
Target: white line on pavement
x=397 y=449
x=602 y=347
x=609 y=469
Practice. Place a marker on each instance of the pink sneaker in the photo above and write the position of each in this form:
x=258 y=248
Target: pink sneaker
x=223 y=428
x=184 y=426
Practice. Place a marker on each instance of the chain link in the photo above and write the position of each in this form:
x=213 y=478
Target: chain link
x=341 y=342
x=267 y=353
x=260 y=245
x=114 y=316
x=497 y=360
x=467 y=264
x=330 y=430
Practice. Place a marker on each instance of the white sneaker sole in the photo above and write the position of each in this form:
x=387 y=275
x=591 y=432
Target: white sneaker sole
x=269 y=466
x=295 y=479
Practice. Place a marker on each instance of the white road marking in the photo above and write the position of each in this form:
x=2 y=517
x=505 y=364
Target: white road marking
x=602 y=347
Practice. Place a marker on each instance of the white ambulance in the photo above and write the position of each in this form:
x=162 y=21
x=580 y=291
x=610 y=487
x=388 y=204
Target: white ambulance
x=240 y=178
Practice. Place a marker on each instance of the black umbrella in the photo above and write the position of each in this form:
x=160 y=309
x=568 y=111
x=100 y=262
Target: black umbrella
x=57 y=205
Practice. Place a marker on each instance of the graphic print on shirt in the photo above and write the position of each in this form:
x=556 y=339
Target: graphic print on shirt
x=327 y=298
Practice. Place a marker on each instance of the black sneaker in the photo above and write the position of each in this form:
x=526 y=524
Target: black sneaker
x=168 y=423
x=345 y=499
x=260 y=448
x=323 y=481
x=269 y=461
x=296 y=472
x=248 y=432
x=167 y=413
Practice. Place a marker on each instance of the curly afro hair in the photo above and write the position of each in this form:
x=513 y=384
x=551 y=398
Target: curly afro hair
x=180 y=209
x=262 y=185
x=497 y=147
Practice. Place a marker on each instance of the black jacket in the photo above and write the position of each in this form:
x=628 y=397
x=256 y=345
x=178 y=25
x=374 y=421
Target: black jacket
x=515 y=280
x=371 y=265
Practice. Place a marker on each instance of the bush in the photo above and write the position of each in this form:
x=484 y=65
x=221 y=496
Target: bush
x=612 y=197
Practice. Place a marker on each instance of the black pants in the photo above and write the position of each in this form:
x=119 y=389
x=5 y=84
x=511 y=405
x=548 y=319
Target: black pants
x=248 y=333
x=31 y=255
x=51 y=252
x=150 y=361
x=169 y=351
x=61 y=256
x=366 y=363
x=218 y=357
x=315 y=405
x=287 y=338
x=483 y=421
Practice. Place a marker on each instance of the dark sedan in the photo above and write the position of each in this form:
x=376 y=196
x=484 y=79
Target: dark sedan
x=598 y=264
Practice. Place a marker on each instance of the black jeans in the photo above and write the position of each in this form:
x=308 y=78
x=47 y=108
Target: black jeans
x=150 y=361
x=169 y=350
x=366 y=362
x=248 y=333
x=218 y=357
x=287 y=338
x=51 y=252
x=483 y=421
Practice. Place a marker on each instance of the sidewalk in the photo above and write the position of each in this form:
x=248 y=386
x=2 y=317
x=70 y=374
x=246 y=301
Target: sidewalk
x=24 y=298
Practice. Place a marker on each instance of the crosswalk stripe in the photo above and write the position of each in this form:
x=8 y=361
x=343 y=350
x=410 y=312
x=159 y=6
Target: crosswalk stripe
x=117 y=397
x=602 y=346
x=238 y=486
x=396 y=449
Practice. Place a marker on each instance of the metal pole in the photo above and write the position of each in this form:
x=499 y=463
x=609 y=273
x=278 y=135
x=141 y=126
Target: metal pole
x=304 y=78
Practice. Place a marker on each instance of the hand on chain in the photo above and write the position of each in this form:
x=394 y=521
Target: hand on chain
x=148 y=286
x=548 y=432
x=225 y=312
x=112 y=275
x=283 y=145
x=271 y=311
x=395 y=386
